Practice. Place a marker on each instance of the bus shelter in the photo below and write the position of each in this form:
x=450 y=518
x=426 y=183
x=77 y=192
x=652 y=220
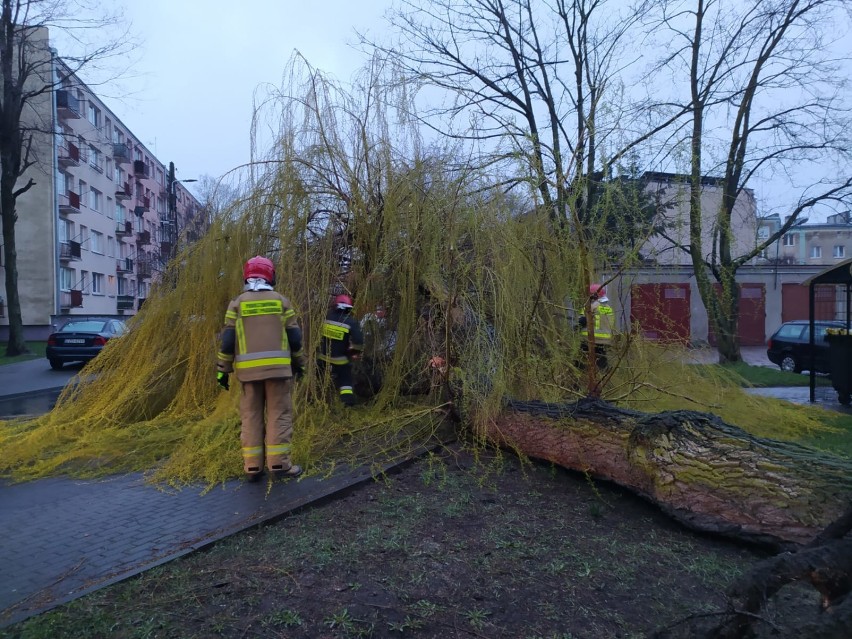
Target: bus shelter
x=838 y=306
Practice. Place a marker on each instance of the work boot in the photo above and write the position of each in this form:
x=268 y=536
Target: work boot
x=293 y=471
x=253 y=475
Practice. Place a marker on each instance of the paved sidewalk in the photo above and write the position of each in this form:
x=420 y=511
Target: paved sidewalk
x=63 y=538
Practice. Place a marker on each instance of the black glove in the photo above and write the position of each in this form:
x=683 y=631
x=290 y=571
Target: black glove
x=298 y=371
x=581 y=321
x=222 y=379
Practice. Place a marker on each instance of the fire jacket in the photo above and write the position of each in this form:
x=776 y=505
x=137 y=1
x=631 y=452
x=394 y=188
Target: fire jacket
x=341 y=337
x=261 y=338
x=604 y=321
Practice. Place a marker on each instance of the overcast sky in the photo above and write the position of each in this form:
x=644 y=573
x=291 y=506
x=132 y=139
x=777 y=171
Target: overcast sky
x=189 y=96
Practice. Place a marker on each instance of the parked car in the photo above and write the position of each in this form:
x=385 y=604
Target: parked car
x=790 y=347
x=80 y=340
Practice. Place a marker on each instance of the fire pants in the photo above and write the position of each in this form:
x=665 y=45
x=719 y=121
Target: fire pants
x=341 y=375
x=266 y=411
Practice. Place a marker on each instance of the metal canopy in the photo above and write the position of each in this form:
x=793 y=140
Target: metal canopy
x=840 y=273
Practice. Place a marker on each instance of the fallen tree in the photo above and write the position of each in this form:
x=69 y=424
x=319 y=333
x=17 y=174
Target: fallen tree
x=705 y=473
x=714 y=477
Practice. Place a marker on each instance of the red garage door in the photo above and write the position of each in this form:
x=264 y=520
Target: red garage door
x=661 y=311
x=794 y=302
x=752 y=322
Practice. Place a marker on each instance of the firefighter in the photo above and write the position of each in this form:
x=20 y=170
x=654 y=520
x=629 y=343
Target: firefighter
x=604 y=321
x=262 y=345
x=342 y=343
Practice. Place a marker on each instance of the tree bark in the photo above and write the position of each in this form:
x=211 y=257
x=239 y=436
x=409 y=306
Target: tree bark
x=705 y=473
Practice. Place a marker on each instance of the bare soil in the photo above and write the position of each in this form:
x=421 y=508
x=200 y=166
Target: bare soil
x=446 y=546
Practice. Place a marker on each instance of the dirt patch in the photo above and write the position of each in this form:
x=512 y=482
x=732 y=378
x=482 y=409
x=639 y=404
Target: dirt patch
x=447 y=546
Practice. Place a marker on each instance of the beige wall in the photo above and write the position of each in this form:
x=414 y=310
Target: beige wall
x=664 y=250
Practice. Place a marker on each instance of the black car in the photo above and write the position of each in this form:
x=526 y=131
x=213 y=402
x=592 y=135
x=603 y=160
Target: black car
x=80 y=340
x=790 y=348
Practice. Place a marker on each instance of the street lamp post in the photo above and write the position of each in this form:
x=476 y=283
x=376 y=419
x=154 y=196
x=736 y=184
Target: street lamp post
x=173 y=216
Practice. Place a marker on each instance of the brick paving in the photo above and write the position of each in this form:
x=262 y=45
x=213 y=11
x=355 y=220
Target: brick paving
x=61 y=538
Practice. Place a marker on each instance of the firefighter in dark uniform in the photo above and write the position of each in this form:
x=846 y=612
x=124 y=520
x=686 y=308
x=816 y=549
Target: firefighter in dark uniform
x=342 y=343
x=262 y=344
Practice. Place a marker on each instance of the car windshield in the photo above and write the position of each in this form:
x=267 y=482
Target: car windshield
x=88 y=326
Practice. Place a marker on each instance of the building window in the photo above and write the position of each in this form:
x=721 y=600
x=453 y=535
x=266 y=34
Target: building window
x=118 y=174
x=84 y=282
x=94 y=115
x=66 y=278
x=839 y=250
x=122 y=286
x=117 y=136
x=789 y=240
x=110 y=207
x=119 y=213
x=109 y=171
x=82 y=190
x=95 y=198
x=108 y=129
x=763 y=233
x=98 y=283
x=110 y=246
x=816 y=252
x=84 y=235
x=143 y=290
x=96 y=159
x=66 y=230
x=97 y=242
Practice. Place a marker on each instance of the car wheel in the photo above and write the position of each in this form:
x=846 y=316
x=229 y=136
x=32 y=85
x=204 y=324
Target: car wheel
x=789 y=363
x=55 y=364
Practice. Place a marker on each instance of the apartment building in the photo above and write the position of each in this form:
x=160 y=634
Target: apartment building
x=817 y=243
x=103 y=217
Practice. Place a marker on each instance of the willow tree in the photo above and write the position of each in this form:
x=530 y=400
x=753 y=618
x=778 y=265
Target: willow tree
x=537 y=90
x=763 y=85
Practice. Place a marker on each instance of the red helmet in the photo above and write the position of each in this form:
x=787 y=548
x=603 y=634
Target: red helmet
x=343 y=302
x=260 y=267
x=597 y=290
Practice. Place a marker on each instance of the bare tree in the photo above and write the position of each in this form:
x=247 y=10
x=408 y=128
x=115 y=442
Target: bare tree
x=27 y=70
x=767 y=99
x=537 y=87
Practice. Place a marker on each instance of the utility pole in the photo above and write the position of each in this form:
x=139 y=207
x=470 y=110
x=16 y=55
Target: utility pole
x=173 y=230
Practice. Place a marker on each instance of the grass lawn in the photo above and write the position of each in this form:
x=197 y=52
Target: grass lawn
x=36 y=348
x=764 y=377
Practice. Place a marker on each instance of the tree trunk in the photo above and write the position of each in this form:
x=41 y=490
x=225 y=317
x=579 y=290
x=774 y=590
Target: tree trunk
x=707 y=474
x=16 y=344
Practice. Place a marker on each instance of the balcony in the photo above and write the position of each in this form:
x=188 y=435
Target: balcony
x=143 y=238
x=165 y=251
x=69 y=203
x=140 y=169
x=124 y=265
x=143 y=269
x=121 y=153
x=69 y=156
x=124 y=302
x=67 y=105
x=123 y=192
x=69 y=251
x=71 y=299
x=123 y=229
